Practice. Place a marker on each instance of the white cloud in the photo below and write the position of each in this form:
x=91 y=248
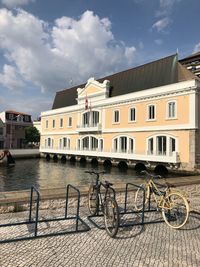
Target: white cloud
x=166 y=7
x=197 y=48
x=161 y=24
x=10 y=79
x=15 y=3
x=50 y=57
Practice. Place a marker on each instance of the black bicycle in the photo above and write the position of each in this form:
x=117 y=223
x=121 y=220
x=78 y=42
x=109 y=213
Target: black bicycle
x=104 y=201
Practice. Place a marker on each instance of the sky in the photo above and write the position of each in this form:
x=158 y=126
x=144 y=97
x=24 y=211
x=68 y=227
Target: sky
x=50 y=45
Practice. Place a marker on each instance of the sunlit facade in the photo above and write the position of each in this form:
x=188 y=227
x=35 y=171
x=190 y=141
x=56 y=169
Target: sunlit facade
x=123 y=118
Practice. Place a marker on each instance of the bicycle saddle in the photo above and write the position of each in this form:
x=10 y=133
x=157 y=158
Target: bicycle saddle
x=108 y=183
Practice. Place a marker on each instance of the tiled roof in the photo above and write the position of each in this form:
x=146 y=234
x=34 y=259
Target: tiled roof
x=154 y=74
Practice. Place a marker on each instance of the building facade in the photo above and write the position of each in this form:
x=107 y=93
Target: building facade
x=192 y=63
x=1 y=134
x=15 y=124
x=145 y=116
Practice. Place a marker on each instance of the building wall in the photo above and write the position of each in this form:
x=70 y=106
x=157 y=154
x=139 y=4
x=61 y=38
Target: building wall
x=182 y=127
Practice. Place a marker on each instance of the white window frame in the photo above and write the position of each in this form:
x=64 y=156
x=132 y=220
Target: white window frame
x=46 y=124
x=61 y=119
x=129 y=115
x=175 y=110
x=114 y=122
x=148 y=112
x=117 y=145
x=68 y=125
x=168 y=144
x=53 y=123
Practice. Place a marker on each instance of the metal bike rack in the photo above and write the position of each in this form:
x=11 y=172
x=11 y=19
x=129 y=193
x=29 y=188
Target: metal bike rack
x=92 y=218
x=36 y=222
x=125 y=211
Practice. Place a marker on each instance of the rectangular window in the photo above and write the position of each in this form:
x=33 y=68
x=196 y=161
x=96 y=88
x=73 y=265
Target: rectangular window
x=47 y=124
x=116 y=116
x=61 y=123
x=151 y=110
x=53 y=124
x=132 y=114
x=171 y=110
x=70 y=122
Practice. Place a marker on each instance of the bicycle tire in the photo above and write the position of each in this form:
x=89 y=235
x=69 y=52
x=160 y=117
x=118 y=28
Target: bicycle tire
x=93 y=200
x=175 y=210
x=139 y=195
x=111 y=216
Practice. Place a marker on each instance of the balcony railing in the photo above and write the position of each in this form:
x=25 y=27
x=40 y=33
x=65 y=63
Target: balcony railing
x=91 y=127
x=172 y=157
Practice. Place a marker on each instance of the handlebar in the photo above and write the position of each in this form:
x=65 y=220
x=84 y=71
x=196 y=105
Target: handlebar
x=150 y=175
x=96 y=173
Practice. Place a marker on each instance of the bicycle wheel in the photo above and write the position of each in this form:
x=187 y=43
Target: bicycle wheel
x=175 y=210
x=139 y=197
x=111 y=216
x=93 y=200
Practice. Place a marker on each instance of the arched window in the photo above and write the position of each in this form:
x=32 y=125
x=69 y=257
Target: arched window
x=123 y=144
x=150 y=146
x=49 y=142
x=64 y=143
x=161 y=145
x=101 y=144
x=131 y=145
x=85 y=143
x=94 y=143
x=172 y=145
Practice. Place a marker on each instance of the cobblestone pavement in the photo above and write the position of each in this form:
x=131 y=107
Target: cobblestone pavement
x=155 y=245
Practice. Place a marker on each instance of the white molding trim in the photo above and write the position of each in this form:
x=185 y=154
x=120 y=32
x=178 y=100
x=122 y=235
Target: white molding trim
x=59 y=133
x=151 y=128
x=192 y=110
x=181 y=88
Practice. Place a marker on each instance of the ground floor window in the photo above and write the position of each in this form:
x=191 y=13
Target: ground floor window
x=49 y=143
x=123 y=144
x=64 y=143
x=161 y=145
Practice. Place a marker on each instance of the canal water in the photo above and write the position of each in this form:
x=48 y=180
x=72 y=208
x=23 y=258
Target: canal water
x=44 y=174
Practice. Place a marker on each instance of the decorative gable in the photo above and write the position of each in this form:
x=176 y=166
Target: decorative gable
x=94 y=91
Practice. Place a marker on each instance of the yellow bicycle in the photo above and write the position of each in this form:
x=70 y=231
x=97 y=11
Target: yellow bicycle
x=173 y=204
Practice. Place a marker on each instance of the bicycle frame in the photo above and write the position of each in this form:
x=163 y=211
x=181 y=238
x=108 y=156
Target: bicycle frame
x=101 y=198
x=98 y=185
x=158 y=195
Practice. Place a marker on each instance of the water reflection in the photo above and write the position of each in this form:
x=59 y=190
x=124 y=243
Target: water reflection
x=51 y=174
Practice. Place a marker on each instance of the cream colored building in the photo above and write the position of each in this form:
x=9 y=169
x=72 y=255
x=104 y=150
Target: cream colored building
x=145 y=116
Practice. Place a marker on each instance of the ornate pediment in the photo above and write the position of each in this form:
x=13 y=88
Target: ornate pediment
x=94 y=90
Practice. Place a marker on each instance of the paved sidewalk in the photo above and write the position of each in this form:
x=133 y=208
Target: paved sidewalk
x=156 y=245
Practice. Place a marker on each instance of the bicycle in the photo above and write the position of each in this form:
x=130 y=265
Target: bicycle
x=173 y=204
x=107 y=204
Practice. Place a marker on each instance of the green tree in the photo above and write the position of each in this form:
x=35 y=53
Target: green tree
x=32 y=135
